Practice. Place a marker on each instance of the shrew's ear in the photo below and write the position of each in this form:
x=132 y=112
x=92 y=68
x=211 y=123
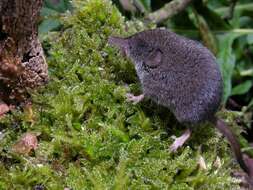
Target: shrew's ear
x=154 y=58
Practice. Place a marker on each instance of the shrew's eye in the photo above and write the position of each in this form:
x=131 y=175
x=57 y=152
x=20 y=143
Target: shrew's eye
x=142 y=45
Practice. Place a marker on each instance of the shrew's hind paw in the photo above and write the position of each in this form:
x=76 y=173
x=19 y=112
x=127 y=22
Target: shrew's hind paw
x=179 y=142
x=4 y=108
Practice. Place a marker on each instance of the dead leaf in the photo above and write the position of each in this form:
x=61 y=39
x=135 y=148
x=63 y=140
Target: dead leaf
x=26 y=144
x=202 y=163
x=29 y=115
x=217 y=162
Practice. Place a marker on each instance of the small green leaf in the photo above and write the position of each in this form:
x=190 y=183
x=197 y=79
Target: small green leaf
x=250 y=38
x=48 y=25
x=248 y=72
x=146 y=4
x=242 y=88
x=226 y=59
x=48 y=12
x=58 y=5
x=250 y=103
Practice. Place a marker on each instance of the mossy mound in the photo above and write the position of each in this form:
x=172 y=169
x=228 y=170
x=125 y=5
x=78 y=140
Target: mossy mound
x=90 y=137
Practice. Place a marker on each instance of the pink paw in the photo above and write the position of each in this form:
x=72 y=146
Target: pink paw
x=4 y=108
x=134 y=99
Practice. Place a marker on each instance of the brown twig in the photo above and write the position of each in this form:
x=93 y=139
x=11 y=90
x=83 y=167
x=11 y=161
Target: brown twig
x=139 y=6
x=127 y=5
x=170 y=9
x=132 y=6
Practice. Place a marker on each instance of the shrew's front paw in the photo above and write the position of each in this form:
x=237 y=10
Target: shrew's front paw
x=134 y=99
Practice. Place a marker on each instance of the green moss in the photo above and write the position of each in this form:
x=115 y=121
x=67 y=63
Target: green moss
x=91 y=138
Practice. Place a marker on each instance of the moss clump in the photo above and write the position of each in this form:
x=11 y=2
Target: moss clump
x=90 y=137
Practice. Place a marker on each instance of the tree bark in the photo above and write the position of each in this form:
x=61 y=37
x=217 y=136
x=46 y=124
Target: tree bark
x=22 y=62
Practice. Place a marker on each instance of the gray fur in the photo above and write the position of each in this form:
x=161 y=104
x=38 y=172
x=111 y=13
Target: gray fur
x=182 y=75
x=187 y=79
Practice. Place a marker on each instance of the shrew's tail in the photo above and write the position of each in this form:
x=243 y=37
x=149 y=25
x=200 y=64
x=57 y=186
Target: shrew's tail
x=245 y=163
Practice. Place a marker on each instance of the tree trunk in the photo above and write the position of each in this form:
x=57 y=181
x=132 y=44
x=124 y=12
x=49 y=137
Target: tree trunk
x=22 y=62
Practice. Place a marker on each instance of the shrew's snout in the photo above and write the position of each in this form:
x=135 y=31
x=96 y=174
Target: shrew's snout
x=121 y=43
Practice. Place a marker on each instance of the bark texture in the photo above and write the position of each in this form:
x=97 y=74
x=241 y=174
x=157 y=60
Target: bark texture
x=22 y=62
